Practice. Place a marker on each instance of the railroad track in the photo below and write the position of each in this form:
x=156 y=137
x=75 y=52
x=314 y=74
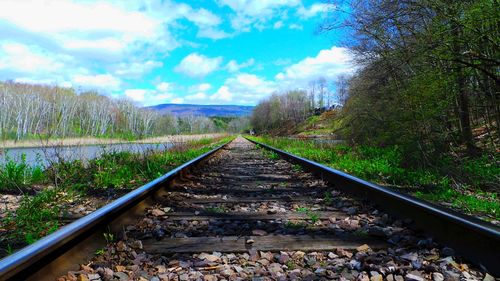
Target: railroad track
x=236 y=214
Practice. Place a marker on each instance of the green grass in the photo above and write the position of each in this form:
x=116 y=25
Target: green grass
x=387 y=166
x=18 y=175
x=36 y=216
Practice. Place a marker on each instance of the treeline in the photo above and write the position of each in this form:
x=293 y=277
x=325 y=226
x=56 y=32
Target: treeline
x=429 y=80
x=280 y=112
x=28 y=111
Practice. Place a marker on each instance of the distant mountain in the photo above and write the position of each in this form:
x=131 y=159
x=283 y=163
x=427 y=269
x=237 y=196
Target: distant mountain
x=203 y=110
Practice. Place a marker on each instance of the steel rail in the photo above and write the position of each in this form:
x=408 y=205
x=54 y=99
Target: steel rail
x=475 y=239
x=24 y=263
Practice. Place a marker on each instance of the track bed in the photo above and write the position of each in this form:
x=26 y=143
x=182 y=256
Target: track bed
x=243 y=216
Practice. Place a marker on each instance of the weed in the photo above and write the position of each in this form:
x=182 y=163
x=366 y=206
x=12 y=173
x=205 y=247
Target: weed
x=9 y=250
x=313 y=217
x=18 y=174
x=291 y=265
x=37 y=216
x=297 y=168
x=328 y=198
x=215 y=210
x=295 y=225
x=109 y=237
x=99 y=252
x=302 y=209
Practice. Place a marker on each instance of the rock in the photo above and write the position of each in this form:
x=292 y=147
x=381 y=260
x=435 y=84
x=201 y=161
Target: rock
x=161 y=268
x=264 y=262
x=488 y=277
x=398 y=278
x=283 y=258
x=183 y=277
x=377 y=231
x=259 y=232
x=210 y=258
x=122 y=276
x=413 y=277
x=352 y=210
x=254 y=255
x=210 y=278
x=363 y=248
x=416 y=264
x=227 y=272
x=94 y=276
x=298 y=255
x=137 y=244
x=446 y=251
x=157 y=212
x=82 y=277
x=410 y=256
x=343 y=253
x=267 y=255
x=354 y=264
x=390 y=277
x=250 y=241
x=436 y=276
x=375 y=276
x=332 y=255
x=238 y=268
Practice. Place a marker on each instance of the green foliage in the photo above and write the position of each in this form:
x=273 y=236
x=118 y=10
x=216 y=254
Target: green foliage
x=19 y=175
x=36 y=215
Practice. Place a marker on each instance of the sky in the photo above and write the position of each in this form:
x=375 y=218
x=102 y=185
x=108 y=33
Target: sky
x=154 y=52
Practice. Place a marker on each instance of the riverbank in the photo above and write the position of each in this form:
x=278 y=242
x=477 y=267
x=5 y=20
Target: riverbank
x=50 y=198
x=101 y=141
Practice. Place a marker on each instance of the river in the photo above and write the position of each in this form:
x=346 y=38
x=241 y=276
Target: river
x=46 y=155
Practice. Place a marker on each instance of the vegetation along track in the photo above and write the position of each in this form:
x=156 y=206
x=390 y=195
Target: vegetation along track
x=243 y=215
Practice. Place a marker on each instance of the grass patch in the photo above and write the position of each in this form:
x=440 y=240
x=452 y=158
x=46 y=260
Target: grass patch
x=387 y=166
x=18 y=175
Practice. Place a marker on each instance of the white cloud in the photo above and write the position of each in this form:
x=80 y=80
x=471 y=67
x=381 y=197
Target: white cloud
x=250 y=13
x=163 y=86
x=295 y=26
x=203 y=17
x=148 y=97
x=212 y=33
x=313 y=10
x=136 y=69
x=196 y=65
x=203 y=87
x=244 y=88
x=278 y=25
x=223 y=94
x=233 y=66
x=199 y=97
x=99 y=81
x=29 y=59
x=328 y=64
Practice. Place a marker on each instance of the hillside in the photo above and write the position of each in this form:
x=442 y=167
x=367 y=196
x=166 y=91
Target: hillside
x=203 y=110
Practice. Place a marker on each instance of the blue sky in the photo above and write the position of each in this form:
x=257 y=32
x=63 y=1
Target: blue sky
x=152 y=52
